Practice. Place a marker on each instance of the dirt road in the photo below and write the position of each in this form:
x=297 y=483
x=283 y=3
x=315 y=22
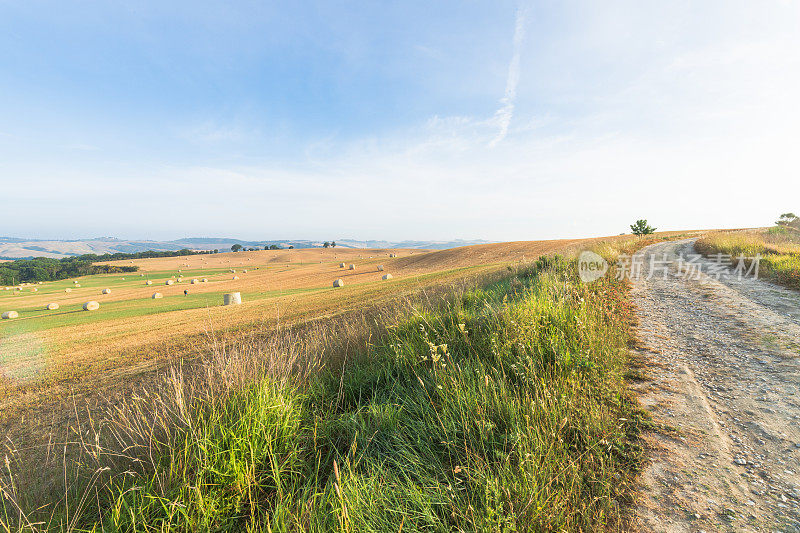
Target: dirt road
x=722 y=361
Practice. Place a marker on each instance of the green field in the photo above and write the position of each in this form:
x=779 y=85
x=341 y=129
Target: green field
x=36 y=318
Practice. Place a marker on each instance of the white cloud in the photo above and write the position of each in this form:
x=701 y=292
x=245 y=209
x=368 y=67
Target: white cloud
x=503 y=116
x=700 y=133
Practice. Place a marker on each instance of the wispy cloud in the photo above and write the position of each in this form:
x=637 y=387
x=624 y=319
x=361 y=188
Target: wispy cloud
x=635 y=112
x=211 y=132
x=503 y=116
x=82 y=147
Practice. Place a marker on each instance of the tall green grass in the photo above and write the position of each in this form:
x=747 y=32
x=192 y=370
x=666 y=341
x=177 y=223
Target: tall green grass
x=502 y=409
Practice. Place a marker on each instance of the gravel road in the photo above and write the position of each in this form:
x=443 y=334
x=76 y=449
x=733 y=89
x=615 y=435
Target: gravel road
x=721 y=357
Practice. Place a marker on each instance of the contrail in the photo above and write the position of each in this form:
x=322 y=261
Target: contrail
x=506 y=111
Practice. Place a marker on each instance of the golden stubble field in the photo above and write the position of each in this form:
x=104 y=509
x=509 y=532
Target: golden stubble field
x=63 y=352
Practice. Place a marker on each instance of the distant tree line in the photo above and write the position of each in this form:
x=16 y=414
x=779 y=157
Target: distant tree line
x=148 y=254
x=240 y=248
x=48 y=269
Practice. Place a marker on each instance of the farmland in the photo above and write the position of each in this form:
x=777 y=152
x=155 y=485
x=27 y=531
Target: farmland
x=44 y=348
x=65 y=367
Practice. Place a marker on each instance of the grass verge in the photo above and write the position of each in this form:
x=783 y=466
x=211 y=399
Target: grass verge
x=503 y=408
x=778 y=248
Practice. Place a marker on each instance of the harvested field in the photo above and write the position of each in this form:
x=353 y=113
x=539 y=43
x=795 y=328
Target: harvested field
x=49 y=353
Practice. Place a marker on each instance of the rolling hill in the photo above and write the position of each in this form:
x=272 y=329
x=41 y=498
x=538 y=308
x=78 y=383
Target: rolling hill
x=18 y=248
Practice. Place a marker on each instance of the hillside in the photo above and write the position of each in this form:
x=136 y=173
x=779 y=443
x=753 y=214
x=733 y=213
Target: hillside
x=59 y=358
x=292 y=285
x=169 y=318
x=16 y=248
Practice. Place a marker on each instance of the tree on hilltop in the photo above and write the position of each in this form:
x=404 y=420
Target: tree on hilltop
x=642 y=228
x=236 y=247
x=789 y=220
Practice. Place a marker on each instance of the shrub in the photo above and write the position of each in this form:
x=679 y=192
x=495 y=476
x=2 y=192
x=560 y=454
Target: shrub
x=642 y=228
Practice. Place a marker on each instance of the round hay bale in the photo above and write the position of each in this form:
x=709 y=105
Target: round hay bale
x=341 y=265
x=380 y=268
x=244 y=271
x=157 y=295
x=52 y=307
x=232 y=271
x=352 y=267
x=8 y=315
x=75 y=282
x=232 y=298
x=169 y=282
x=386 y=276
x=141 y=275
x=35 y=289
x=148 y=282
x=77 y=285
x=204 y=280
x=123 y=279
x=338 y=283
x=195 y=281
x=67 y=290
x=106 y=291
x=235 y=278
x=91 y=306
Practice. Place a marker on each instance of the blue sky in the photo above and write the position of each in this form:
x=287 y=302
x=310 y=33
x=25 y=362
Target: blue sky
x=419 y=120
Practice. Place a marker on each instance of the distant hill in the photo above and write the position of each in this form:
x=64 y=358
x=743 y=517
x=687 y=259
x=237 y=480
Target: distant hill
x=17 y=248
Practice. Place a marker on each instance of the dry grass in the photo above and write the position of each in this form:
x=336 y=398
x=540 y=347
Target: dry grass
x=132 y=402
x=779 y=250
x=106 y=355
